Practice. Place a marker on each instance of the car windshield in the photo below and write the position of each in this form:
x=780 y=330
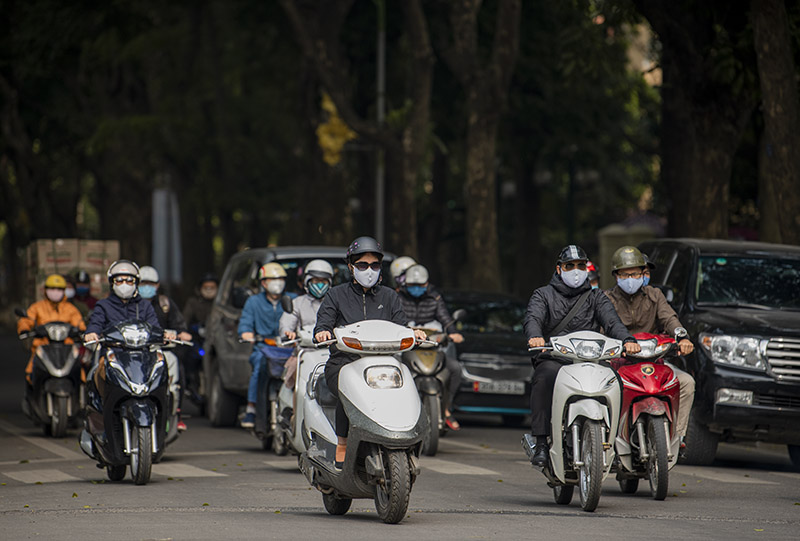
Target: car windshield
x=489 y=316
x=749 y=282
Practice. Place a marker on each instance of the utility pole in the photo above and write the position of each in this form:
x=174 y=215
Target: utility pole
x=380 y=113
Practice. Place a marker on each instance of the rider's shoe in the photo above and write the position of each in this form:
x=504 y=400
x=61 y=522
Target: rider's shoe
x=249 y=421
x=540 y=455
x=181 y=426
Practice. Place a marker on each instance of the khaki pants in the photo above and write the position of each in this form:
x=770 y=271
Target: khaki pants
x=686 y=399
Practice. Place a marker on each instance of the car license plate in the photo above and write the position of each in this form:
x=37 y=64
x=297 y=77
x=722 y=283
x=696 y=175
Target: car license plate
x=499 y=387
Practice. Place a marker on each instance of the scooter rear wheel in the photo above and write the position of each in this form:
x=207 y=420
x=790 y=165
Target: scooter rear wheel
x=116 y=473
x=336 y=506
x=562 y=494
x=392 y=493
x=591 y=473
x=629 y=486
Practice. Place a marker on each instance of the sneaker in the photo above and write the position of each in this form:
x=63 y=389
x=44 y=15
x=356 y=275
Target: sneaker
x=181 y=426
x=249 y=421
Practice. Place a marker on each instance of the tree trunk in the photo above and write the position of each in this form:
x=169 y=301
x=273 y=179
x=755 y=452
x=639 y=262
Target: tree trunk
x=528 y=242
x=780 y=168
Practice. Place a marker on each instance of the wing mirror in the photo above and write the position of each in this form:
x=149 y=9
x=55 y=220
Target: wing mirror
x=287 y=304
x=459 y=315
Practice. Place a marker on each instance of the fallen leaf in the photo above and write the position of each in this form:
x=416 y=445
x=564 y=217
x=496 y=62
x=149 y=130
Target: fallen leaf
x=499 y=480
x=24 y=461
x=682 y=491
x=796 y=503
x=38 y=483
x=238 y=463
x=748 y=475
x=205 y=505
x=277 y=511
x=74 y=494
x=2 y=484
x=26 y=505
x=759 y=529
x=213 y=469
x=87 y=506
x=683 y=484
x=170 y=478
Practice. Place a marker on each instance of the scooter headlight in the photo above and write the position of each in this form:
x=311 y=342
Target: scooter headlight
x=383 y=377
x=588 y=349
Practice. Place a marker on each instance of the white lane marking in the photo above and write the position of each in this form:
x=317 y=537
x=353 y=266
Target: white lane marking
x=42 y=443
x=730 y=478
x=183 y=470
x=795 y=476
x=478 y=448
x=33 y=461
x=285 y=465
x=40 y=476
x=453 y=468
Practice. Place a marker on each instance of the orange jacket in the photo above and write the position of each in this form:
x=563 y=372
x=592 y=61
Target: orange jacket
x=46 y=311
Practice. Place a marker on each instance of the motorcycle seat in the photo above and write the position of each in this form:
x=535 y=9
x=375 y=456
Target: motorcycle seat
x=324 y=395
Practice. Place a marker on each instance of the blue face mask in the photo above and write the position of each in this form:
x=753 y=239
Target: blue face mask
x=416 y=291
x=81 y=291
x=630 y=285
x=147 y=292
x=319 y=289
x=646 y=281
x=595 y=286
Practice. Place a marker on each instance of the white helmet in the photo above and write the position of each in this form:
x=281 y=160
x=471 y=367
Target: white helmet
x=416 y=275
x=399 y=266
x=148 y=274
x=317 y=268
x=124 y=267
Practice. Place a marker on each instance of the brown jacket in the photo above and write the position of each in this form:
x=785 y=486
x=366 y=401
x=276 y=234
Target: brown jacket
x=645 y=311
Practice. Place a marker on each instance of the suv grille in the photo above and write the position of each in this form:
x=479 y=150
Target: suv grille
x=783 y=355
x=496 y=367
x=778 y=401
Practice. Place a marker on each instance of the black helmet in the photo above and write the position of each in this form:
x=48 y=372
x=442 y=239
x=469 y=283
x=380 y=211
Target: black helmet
x=648 y=262
x=208 y=277
x=364 y=245
x=572 y=253
x=82 y=277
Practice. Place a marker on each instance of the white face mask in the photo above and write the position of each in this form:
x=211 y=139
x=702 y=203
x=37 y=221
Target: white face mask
x=69 y=292
x=55 y=295
x=574 y=278
x=124 y=291
x=276 y=286
x=367 y=278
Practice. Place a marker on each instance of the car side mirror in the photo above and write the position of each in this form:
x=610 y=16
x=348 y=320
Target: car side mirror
x=459 y=315
x=239 y=296
x=287 y=304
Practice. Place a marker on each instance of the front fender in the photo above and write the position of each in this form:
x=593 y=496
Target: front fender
x=591 y=409
x=427 y=385
x=651 y=406
x=140 y=413
x=59 y=386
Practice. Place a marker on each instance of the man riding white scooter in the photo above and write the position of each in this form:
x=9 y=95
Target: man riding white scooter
x=567 y=304
x=361 y=299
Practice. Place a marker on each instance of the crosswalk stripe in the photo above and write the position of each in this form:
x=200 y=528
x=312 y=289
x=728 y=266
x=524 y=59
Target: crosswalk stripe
x=729 y=478
x=40 y=476
x=444 y=444
x=453 y=468
x=48 y=445
x=183 y=470
x=286 y=465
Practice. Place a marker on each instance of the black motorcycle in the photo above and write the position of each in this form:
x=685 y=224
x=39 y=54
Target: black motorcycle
x=55 y=396
x=131 y=417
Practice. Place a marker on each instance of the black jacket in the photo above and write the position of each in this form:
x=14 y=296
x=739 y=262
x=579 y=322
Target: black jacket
x=348 y=303
x=428 y=307
x=168 y=314
x=113 y=310
x=550 y=304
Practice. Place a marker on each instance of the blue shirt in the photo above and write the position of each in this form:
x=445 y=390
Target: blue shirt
x=260 y=316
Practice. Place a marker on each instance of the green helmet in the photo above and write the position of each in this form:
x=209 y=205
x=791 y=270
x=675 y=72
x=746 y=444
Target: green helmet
x=627 y=257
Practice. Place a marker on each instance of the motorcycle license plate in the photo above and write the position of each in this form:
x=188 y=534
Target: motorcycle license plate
x=499 y=387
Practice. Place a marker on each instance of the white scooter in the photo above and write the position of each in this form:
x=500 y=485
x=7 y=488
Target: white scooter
x=291 y=413
x=586 y=408
x=386 y=422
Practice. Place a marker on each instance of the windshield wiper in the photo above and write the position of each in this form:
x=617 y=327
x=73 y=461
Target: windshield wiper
x=737 y=305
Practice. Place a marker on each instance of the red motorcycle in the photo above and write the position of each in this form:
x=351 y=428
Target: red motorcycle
x=647 y=445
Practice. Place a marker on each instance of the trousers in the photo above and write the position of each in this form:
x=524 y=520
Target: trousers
x=332 y=367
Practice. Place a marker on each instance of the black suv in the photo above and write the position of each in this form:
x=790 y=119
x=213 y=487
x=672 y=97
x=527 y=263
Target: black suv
x=740 y=302
x=226 y=363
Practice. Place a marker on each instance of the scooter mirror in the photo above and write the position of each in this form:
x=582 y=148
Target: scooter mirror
x=20 y=312
x=459 y=315
x=287 y=304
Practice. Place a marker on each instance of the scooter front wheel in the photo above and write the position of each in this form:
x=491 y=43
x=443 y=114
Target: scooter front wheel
x=142 y=457
x=393 y=491
x=430 y=441
x=657 y=464
x=591 y=473
x=58 y=421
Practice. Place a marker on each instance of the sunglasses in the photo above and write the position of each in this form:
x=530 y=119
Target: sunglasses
x=125 y=280
x=570 y=266
x=363 y=265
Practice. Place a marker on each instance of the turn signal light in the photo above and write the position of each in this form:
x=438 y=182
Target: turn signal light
x=352 y=343
x=406 y=343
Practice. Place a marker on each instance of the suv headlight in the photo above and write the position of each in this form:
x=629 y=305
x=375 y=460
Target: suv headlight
x=742 y=351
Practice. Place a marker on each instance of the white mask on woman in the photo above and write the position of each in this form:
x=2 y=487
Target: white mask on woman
x=367 y=278
x=124 y=291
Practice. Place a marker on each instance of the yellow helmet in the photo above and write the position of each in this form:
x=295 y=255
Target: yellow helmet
x=271 y=270
x=55 y=281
